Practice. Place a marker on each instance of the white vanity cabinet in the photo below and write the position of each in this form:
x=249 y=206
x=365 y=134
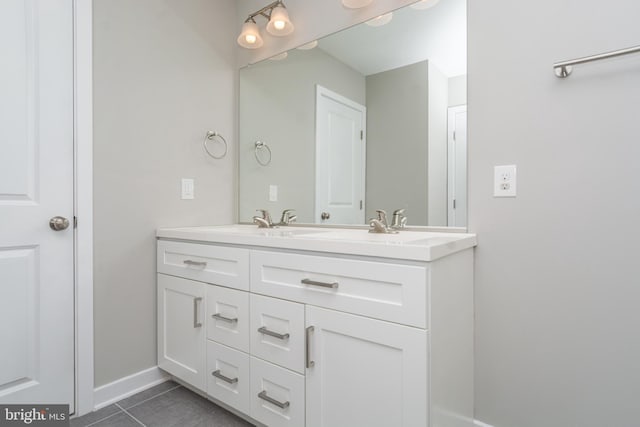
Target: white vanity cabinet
x=181 y=335
x=293 y=338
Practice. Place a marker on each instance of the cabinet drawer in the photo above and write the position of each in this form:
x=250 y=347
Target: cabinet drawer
x=277 y=331
x=213 y=264
x=386 y=291
x=277 y=395
x=228 y=317
x=228 y=376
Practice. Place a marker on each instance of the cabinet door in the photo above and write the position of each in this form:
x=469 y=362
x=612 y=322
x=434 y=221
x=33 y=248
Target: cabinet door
x=181 y=335
x=364 y=372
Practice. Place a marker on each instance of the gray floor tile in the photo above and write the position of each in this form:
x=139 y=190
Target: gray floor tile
x=118 y=420
x=183 y=408
x=94 y=416
x=147 y=394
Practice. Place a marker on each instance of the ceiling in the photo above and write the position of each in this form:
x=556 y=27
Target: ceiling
x=438 y=34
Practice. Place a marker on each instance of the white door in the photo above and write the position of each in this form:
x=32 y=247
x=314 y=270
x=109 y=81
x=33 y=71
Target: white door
x=365 y=372
x=457 y=168
x=340 y=159
x=36 y=184
x=181 y=336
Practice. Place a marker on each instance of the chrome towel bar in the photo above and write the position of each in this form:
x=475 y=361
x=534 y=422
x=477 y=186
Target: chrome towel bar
x=563 y=69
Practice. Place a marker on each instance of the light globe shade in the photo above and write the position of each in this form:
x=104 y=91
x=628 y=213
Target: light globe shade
x=308 y=46
x=356 y=4
x=249 y=37
x=279 y=24
x=424 y=4
x=380 y=20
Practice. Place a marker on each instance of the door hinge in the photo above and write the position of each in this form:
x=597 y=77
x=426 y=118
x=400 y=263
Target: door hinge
x=360 y=204
x=75 y=221
x=361 y=135
x=454 y=203
x=454 y=135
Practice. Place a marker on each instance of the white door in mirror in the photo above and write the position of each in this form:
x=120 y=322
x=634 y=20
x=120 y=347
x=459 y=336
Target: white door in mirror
x=504 y=181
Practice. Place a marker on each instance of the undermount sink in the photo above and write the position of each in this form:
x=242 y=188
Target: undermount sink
x=252 y=230
x=363 y=235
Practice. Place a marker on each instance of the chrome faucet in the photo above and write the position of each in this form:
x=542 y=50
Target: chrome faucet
x=379 y=225
x=263 y=221
x=287 y=218
x=399 y=219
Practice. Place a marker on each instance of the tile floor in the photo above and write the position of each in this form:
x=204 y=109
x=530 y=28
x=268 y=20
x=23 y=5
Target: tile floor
x=166 y=405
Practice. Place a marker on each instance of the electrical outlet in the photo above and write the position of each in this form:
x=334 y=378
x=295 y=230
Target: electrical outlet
x=504 y=181
x=273 y=193
x=188 y=189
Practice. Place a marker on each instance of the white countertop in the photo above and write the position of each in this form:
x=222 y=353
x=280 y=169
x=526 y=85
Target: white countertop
x=407 y=245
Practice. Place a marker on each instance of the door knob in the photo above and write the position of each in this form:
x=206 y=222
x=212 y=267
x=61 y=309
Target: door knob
x=58 y=223
x=325 y=215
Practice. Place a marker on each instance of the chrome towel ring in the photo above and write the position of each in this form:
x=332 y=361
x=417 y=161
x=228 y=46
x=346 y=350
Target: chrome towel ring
x=260 y=146
x=210 y=136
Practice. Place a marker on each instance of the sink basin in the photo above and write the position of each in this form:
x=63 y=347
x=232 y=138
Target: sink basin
x=363 y=235
x=252 y=230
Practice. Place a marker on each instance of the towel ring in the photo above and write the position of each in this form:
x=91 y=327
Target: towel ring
x=209 y=137
x=259 y=146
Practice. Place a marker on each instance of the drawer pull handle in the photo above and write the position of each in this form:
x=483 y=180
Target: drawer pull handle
x=219 y=316
x=196 y=317
x=263 y=395
x=264 y=330
x=195 y=263
x=332 y=285
x=224 y=378
x=307 y=349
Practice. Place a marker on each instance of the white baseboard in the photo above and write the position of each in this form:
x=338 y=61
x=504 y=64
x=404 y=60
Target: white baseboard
x=477 y=423
x=124 y=387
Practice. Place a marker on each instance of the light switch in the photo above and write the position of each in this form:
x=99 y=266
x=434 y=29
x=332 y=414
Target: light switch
x=273 y=193
x=504 y=181
x=188 y=188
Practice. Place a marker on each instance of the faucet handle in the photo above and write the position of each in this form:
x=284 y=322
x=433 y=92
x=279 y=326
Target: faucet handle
x=399 y=219
x=382 y=216
x=265 y=215
x=287 y=217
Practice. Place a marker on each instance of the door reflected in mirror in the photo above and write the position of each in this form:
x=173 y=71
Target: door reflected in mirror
x=373 y=117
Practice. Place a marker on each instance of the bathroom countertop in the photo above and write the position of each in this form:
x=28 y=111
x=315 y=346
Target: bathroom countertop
x=405 y=245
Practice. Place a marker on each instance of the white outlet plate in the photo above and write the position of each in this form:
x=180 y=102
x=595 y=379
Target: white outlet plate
x=188 y=189
x=504 y=181
x=273 y=193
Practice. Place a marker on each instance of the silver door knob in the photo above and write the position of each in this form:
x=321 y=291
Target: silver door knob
x=58 y=223
x=325 y=215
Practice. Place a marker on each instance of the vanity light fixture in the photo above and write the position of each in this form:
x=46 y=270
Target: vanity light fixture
x=308 y=46
x=356 y=4
x=279 y=25
x=424 y=4
x=279 y=57
x=380 y=20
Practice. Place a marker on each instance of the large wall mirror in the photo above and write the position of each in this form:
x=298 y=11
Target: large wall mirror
x=372 y=117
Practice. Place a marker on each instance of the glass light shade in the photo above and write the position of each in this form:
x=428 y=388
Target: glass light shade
x=308 y=46
x=356 y=4
x=424 y=4
x=279 y=24
x=380 y=20
x=279 y=57
x=250 y=36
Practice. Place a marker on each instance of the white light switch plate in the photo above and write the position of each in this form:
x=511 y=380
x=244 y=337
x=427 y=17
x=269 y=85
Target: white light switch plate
x=504 y=181
x=273 y=193
x=188 y=189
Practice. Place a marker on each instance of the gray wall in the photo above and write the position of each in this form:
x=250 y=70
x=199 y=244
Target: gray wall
x=397 y=138
x=458 y=90
x=278 y=106
x=557 y=285
x=164 y=73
